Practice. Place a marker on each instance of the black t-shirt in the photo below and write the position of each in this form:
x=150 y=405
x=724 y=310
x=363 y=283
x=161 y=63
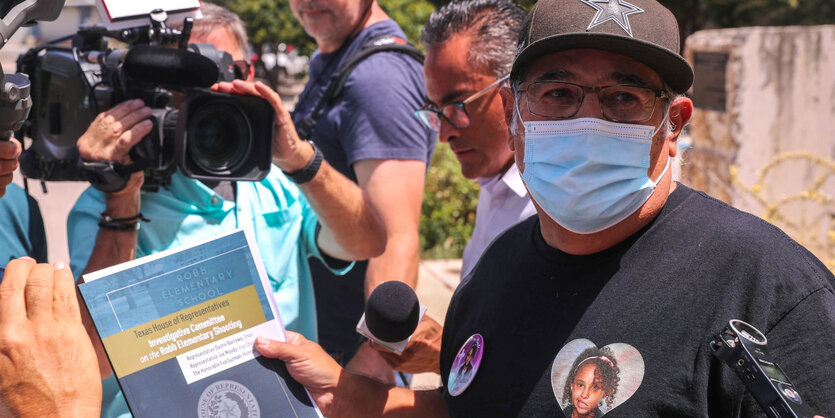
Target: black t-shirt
x=644 y=312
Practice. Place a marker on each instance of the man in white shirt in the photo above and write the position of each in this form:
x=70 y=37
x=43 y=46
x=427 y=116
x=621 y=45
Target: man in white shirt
x=469 y=51
x=502 y=202
x=470 y=46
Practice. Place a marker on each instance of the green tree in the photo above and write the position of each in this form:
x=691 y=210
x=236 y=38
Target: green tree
x=694 y=15
x=409 y=14
x=449 y=203
x=272 y=21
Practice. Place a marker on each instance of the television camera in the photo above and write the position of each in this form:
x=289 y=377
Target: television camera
x=211 y=135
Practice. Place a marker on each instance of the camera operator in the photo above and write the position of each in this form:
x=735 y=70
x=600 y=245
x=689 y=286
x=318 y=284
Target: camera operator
x=280 y=213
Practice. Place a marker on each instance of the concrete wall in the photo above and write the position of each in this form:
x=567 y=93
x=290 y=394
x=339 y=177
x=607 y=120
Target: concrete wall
x=768 y=146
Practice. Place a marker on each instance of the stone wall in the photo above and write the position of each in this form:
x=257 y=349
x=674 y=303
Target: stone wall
x=763 y=131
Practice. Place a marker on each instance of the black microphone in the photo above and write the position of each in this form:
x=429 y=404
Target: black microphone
x=392 y=314
x=169 y=67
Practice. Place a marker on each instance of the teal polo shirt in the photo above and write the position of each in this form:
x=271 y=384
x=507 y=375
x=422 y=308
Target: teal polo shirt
x=187 y=211
x=21 y=227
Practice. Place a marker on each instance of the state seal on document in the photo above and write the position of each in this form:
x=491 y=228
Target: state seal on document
x=227 y=399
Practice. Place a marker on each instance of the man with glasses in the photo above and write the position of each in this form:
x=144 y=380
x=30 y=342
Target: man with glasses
x=622 y=265
x=103 y=228
x=469 y=51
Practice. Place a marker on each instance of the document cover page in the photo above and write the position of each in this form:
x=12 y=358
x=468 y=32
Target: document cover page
x=179 y=326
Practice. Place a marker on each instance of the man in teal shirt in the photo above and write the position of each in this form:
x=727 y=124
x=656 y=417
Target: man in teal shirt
x=189 y=211
x=279 y=212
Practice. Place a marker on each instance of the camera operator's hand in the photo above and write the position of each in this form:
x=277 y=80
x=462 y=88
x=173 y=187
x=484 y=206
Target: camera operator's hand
x=351 y=226
x=110 y=138
x=9 y=151
x=114 y=132
x=47 y=362
x=290 y=153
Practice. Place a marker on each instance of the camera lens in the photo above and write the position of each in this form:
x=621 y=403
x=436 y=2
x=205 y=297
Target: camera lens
x=219 y=137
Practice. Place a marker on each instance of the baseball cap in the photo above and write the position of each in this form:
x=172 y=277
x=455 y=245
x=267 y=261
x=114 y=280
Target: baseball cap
x=643 y=30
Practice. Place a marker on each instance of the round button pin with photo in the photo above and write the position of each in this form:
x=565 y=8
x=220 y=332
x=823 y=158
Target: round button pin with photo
x=465 y=365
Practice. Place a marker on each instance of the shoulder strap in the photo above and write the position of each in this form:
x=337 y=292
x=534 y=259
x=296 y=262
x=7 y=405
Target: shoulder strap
x=374 y=45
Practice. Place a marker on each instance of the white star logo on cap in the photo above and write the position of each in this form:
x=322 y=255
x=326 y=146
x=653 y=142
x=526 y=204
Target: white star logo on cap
x=617 y=11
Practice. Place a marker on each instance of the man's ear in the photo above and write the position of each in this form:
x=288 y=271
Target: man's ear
x=508 y=102
x=680 y=112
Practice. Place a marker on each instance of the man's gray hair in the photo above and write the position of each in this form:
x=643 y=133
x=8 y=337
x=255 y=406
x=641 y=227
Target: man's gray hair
x=493 y=24
x=215 y=17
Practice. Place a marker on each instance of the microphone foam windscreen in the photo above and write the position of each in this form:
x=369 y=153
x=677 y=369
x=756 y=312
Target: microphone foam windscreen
x=169 y=67
x=392 y=311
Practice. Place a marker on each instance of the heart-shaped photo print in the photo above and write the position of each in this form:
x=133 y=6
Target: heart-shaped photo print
x=589 y=381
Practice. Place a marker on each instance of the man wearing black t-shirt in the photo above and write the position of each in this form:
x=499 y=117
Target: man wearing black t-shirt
x=605 y=303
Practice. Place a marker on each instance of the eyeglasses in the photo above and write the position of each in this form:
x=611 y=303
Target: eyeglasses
x=455 y=113
x=618 y=103
x=241 y=69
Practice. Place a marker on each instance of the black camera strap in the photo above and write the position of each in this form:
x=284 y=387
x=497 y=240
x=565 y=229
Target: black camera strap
x=108 y=176
x=374 y=45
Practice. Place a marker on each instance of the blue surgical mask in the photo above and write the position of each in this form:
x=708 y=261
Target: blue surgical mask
x=588 y=174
